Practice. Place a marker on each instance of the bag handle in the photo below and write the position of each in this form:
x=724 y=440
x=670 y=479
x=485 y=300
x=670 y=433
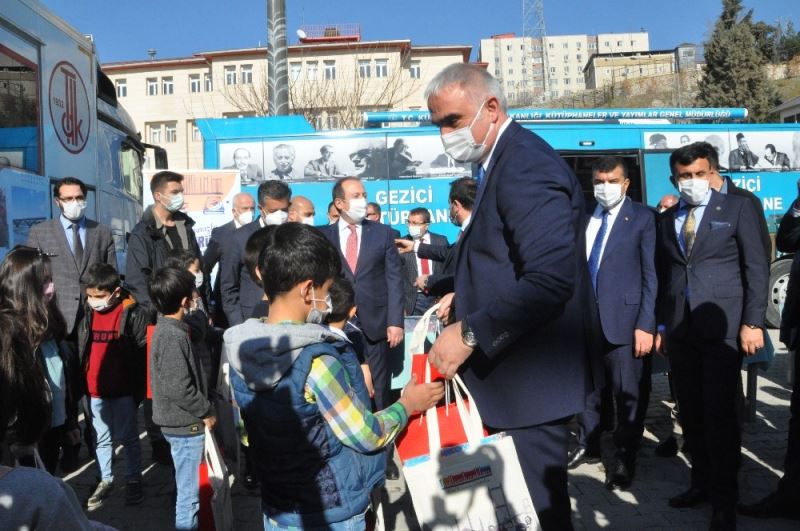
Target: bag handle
x=212 y=455
x=469 y=417
x=420 y=333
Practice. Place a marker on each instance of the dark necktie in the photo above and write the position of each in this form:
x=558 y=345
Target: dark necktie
x=689 y=231
x=481 y=174
x=77 y=245
x=597 y=247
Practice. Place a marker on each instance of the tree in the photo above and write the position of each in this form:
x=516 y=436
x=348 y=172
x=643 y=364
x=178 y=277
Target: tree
x=735 y=68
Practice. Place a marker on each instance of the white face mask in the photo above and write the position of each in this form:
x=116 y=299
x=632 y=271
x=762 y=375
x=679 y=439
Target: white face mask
x=245 y=218
x=693 y=191
x=316 y=316
x=73 y=210
x=358 y=209
x=198 y=279
x=100 y=305
x=175 y=203
x=308 y=220
x=608 y=194
x=415 y=231
x=461 y=145
x=275 y=218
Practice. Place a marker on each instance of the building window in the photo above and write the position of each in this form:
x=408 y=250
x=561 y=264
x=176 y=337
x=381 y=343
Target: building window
x=510 y=84
x=566 y=58
x=122 y=88
x=170 y=133
x=579 y=80
x=311 y=70
x=565 y=45
x=496 y=72
x=230 y=75
x=619 y=43
x=508 y=47
x=294 y=70
x=247 y=74
x=381 y=68
x=633 y=43
x=364 y=68
x=166 y=85
x=592 y=46
x=330 y=69
x=413 y=70
x=195 y=132
x=566 y=81
x=510 y=59
x=152 y=86
x=579 y=58
x=578 y=45
x=155 y=134
x=194 y=83
x=607 y=44
x=510 y=71
x=552 y=70
x=208 y=82
x=333 y=121
x=551 y=45
x=566 y=70
x=553 y=93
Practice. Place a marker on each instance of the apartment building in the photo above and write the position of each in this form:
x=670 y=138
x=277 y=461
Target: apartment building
x=613 y=68
x=334 y=76
x=526 y=71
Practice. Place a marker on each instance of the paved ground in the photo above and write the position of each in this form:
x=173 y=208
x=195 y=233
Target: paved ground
x=644 y=506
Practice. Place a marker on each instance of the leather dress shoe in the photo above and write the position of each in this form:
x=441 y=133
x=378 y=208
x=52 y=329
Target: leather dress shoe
x=392 y=472
x=692 y=497
x=621 y=475
x=772 y=506
x=581 y=455
x=723 y=520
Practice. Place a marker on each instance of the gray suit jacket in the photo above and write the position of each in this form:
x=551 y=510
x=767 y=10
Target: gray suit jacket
x=49 y=236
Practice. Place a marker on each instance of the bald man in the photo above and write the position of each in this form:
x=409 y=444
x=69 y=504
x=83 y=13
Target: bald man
x=301 y=210
x=666 y=202
x=243 y=210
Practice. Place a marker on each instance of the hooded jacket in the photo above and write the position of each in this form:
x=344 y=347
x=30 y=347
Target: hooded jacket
x=308 y=477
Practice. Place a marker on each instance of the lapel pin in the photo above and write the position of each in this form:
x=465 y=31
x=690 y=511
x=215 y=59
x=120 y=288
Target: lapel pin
x=718 y=208
x=626 y=218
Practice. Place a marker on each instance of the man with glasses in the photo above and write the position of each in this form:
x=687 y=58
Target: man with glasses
x=417 y=269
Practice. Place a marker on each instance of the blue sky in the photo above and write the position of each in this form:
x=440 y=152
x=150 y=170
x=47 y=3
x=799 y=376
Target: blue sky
x=126 y=30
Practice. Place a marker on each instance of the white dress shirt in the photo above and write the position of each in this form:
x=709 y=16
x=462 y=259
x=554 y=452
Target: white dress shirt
x=344 y=233
x=594 y=227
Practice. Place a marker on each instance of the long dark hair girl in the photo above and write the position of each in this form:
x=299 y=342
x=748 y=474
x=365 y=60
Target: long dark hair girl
x=26 y=319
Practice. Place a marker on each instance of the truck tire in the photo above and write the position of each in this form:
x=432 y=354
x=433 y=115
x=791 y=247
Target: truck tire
x=778 y=280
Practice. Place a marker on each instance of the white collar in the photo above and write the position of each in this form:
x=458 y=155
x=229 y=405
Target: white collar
x=500 y=132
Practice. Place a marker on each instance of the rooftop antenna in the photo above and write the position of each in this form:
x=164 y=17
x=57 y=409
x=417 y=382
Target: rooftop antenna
x=152 y=53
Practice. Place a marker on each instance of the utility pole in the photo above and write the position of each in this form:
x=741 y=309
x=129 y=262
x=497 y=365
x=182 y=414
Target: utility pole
x=277 y=52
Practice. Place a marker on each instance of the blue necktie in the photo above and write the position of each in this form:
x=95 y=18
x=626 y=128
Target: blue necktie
x=481 y=174
x=597 y=247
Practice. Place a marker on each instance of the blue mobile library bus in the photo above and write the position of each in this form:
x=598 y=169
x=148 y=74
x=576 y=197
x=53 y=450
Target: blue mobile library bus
x=402 y=162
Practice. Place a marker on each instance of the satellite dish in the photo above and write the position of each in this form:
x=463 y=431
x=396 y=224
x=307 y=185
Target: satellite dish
x=301 y=34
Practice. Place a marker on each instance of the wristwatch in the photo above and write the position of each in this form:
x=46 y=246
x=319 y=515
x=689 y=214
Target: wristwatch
x=752 y=327
x=467 y=335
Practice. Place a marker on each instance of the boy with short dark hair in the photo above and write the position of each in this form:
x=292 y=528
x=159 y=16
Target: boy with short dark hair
x=111 y=341
x=318 y=448
x=180 y=403
x=343 y=308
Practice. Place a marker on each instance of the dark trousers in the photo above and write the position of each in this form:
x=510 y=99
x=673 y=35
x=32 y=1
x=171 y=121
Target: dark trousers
x=542 y=452
x=377 y=354
x=50 y=446
x=708 y=384
x=422 y=303
x=628 y=383
x=789 y=484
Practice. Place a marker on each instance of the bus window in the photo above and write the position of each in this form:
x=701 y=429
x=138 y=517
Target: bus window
x=19 y=106
x=131 y=166
x=581 y=165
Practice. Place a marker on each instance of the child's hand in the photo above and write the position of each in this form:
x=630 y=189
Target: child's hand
x=421 y=397
x=368 y=379
x=210 y=422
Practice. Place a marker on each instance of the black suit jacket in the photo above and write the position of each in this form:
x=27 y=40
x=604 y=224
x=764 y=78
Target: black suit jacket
x=240 y=294
x=378 y=280
x=213 y=255
x=726 y=276
x=788 y=241
x=411 y=273
x=523 y=285
x=442 y=282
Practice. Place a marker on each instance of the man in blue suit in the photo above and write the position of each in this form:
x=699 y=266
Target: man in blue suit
x=240 y=294
x=372 y=264
x=620 y=249
x=713 y=282
x=522 y=291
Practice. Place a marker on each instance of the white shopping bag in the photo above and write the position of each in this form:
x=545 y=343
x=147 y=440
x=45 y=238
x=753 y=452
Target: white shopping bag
x=219 y=479
x=478 y=485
